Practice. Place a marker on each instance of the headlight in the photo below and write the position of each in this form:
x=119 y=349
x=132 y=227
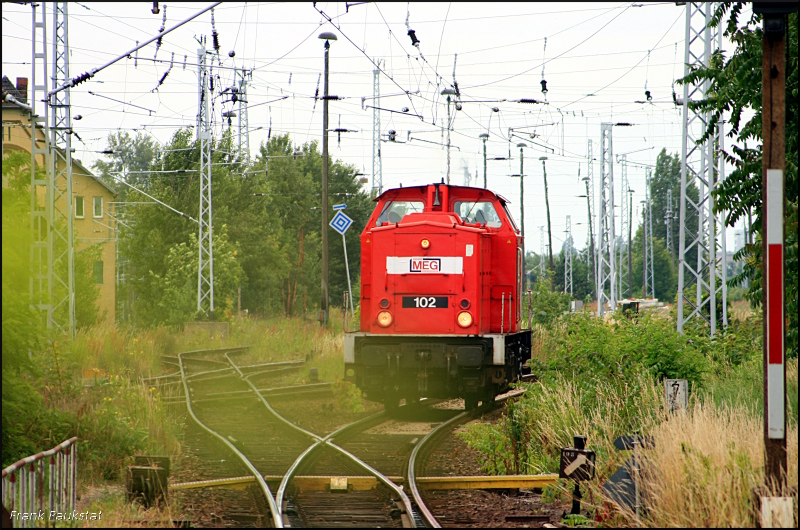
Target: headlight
x=385 y=319
x=425 y=243
x=464 y=319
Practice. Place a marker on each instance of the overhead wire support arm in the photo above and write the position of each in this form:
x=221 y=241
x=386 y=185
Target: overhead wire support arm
x=94 y=71
x=123 y=102
x=118 y=179
x=405 y=113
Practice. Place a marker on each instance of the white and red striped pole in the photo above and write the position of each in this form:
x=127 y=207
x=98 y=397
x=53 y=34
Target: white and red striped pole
x=774 y=313
x=773 y=163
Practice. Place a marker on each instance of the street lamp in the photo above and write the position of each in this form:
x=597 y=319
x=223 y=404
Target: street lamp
x=484 y=137
x=547 y=204
x=448 y=92
x=327 y=37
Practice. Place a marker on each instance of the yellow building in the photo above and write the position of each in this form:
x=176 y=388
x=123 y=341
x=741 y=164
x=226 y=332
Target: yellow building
x=94 y=216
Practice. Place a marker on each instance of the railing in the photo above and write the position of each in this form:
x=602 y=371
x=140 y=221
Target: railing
x=25 y=482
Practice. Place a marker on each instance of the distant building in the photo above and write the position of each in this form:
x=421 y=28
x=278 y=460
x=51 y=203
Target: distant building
x=93 y=200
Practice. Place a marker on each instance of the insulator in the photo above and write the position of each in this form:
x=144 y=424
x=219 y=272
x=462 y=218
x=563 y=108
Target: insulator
x=414 y=39
x=392 y=135
x=647 y=95
x=155 y=8
x=544 y=86
x=528 y=100
x=458 y=106
x=184 y=61
x=404 y=109
x=81 y=78
x=215 y=37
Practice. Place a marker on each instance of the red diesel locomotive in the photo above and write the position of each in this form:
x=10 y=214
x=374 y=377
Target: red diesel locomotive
x=441 y=298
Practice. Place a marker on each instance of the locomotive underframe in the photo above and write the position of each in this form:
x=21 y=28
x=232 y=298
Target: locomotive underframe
x=388 y=368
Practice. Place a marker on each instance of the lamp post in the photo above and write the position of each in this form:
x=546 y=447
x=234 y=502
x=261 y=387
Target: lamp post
x=448 y=92
x=547 y=204
x=323 y=306
x=484 y=137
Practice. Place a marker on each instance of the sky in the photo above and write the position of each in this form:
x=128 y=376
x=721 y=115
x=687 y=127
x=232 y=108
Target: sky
x=597 y=59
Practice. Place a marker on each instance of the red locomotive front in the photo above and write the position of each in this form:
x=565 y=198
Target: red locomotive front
x=441 y=276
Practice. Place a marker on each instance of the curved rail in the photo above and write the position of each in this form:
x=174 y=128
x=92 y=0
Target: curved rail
x=293 y=469
x=427 y=516
x=274 y=512
x=327 y=440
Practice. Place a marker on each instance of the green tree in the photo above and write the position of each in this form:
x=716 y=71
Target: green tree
x=664 y=269
x=736 y=88
x=667 y=176
x=129 y=156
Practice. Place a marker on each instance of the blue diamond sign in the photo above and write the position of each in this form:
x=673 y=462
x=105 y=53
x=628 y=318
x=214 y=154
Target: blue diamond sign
x=341 y=222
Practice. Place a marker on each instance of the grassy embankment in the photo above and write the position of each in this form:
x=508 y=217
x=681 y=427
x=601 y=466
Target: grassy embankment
x=116 y=414
x=604 y=380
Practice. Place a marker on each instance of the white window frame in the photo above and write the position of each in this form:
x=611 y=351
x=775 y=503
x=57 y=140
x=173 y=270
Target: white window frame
x=83 y=204
x=94 y=208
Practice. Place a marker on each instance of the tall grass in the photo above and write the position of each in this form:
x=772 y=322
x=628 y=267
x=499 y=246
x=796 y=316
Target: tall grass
x=605 y=379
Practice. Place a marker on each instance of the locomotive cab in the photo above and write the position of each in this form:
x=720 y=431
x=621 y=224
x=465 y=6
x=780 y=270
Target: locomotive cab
x=441 y=293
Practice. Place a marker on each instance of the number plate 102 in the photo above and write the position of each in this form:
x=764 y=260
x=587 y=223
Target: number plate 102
x=425 y=302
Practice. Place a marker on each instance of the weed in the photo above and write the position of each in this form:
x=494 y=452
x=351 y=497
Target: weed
x=347 y=396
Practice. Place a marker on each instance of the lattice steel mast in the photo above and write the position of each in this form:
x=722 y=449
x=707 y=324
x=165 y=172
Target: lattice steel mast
x=622 y=267
x=648 y=229
x=205 y=270
x=568 y=259
x=668 y=216
x=590 y=200
x=61 y=265
x=243 y=133
x=697 y=282
x=377 y=166
x=41 y=281
x=606 y=239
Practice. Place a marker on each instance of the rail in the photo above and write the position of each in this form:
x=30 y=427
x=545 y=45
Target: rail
x=274 y=513
x=24 y=484
x=318 y=442
x=425 y=513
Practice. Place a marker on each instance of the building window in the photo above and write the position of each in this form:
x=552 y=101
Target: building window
x=98 y=272
x=98 y=207
x=79 y=207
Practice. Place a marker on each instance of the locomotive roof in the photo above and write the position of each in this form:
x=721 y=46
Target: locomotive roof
x=452 y=186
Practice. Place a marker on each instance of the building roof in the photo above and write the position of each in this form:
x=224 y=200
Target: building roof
x=9 y=88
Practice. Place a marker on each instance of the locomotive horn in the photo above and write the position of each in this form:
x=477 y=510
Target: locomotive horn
x=436 y=197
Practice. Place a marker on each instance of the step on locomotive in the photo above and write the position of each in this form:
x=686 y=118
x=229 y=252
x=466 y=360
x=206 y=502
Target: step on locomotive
x=441 y=298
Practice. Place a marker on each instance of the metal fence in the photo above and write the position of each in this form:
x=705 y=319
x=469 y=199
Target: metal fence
x=27 y=482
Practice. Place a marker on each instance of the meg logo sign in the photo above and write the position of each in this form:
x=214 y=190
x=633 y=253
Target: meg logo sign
x=425 y=265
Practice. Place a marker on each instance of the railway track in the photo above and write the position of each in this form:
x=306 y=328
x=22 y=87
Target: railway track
x=367 y=458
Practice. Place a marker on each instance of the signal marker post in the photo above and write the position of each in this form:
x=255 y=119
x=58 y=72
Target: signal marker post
x=773 y=158
x=341 y=223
